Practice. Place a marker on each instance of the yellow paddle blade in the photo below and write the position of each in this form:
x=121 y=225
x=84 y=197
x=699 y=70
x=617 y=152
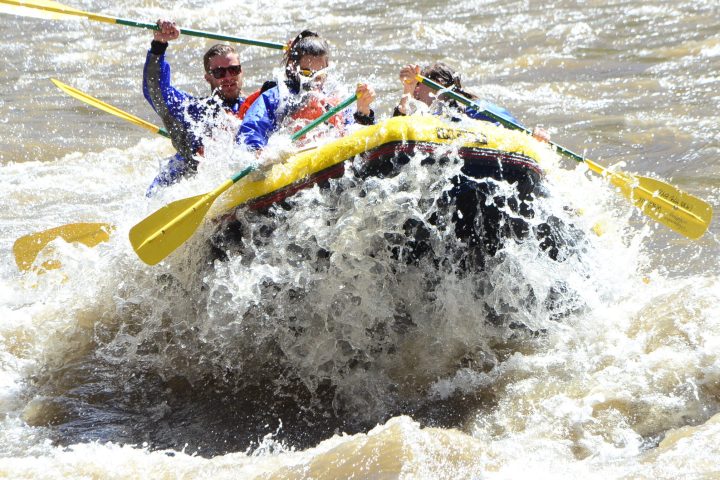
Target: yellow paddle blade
x=40 y=9
x=678 y=210
x=159 y=234
x=27 y=248
x=84 y=97
x=664 y=203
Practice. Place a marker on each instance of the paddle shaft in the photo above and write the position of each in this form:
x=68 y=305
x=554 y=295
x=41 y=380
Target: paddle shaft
x=592 y=165
x=160 y=233
x=325 y=117
x=150 y=26
x=203 y=34
x=246 y=171
x=504 y=121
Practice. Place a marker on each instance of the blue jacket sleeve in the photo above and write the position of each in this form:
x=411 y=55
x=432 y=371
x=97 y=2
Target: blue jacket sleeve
x=165 y=99
x=477 y=113
x=260 y=120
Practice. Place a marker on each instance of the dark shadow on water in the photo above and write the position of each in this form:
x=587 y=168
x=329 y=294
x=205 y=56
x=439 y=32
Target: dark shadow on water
x=208 y=419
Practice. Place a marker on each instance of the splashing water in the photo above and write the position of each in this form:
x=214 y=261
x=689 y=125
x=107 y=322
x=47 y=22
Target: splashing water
x=353 y=307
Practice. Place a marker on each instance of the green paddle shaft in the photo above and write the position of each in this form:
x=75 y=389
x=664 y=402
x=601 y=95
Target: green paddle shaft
x=664 y=203
x=344 y=104
x=325 y=117
x=68 y=12
x=203 y=34
x=159 y=234
x=504 y=121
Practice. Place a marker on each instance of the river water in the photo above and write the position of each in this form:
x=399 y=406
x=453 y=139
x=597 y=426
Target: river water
x=286 y=361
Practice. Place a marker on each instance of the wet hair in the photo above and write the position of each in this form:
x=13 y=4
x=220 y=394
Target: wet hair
x=306 y=43
x=216 y=51
x=444 y=74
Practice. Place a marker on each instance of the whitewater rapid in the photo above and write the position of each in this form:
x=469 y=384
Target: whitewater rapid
x=312 y=352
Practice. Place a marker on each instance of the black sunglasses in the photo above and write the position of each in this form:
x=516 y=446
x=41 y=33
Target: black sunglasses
x=220 y=72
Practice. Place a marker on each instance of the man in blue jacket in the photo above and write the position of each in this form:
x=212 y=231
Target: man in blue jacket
x=190 y=120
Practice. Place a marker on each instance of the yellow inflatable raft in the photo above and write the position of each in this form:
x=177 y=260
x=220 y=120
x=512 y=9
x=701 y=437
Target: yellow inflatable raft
x=487 y=149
